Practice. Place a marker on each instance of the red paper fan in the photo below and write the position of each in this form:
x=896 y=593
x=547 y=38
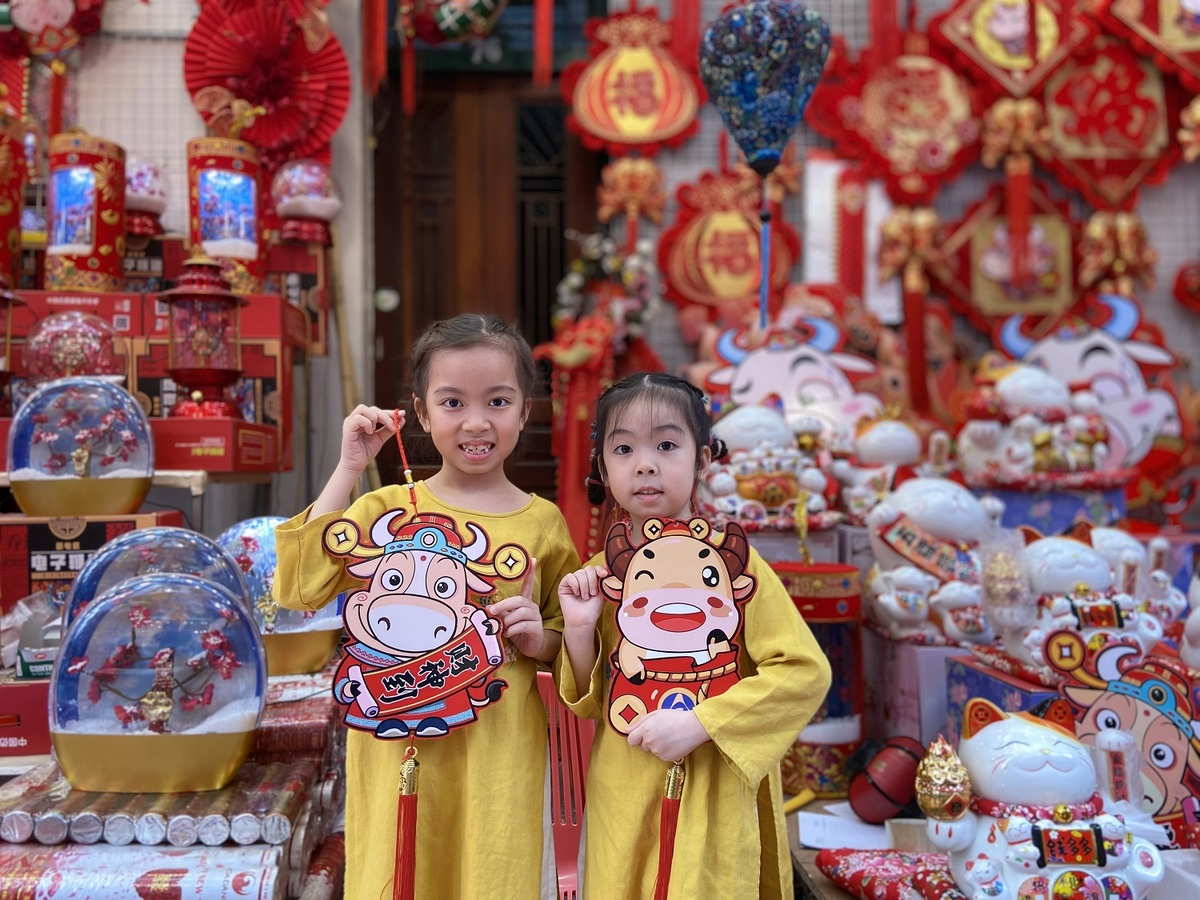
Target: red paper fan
x=257 y=56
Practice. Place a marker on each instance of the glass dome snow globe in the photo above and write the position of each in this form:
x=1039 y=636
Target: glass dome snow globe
x=158 y=687
x=306 y=201
x=145 y=198
x=80 y=447
x=73 y=343
x=150 y=551
x=296 y=640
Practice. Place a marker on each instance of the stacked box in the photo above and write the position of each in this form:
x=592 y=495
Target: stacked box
x=904 y=686
x=968 y=677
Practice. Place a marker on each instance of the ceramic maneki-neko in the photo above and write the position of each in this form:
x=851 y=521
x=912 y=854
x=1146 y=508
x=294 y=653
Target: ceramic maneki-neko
x=1064 y=583
x=1155 y=704
x=925 y=584
x=1021 y=816
x=1026 y=429
x=1155 y=587
x=768 y=471
x=158 y=687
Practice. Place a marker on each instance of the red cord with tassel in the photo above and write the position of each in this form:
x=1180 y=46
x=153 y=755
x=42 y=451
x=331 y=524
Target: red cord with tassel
x=668 y=824
x=58 y=92
x=1018 y=178
x=543 y=42
x=685 y=32
x=404 y=871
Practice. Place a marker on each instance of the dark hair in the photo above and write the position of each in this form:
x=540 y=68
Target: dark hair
x=683 y=396
x=464 y=332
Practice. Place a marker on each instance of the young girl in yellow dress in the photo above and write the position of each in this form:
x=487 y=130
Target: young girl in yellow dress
x=480 y=808
x=652 y=441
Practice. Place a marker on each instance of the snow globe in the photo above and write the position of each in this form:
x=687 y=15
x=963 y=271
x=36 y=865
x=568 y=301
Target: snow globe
x=158 y=688
x=150 y=551
x=80 y=447
x=306 y=200
x=73 y=343
x=296 y=640
x=145 y=198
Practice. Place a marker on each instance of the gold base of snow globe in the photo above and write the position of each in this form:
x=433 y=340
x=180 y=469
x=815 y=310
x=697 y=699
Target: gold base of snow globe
x=151 y=763
x=55 y=497
x=297 y=652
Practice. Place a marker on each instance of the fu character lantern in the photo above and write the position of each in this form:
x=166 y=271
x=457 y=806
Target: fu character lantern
x=306 y=200
x=204 y=355
x=224 y=214
x=85 y=240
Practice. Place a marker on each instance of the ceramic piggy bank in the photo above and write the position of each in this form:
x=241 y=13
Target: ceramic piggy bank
x=932 y=525
x=1035 y=827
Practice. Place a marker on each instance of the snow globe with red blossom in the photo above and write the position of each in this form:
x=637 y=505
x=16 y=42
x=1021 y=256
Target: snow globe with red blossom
x=306 y=201
x=145 y=199
x=71 y=343
x=149 y=551
x=158 y=687
x=80 y=447
x=296 y=640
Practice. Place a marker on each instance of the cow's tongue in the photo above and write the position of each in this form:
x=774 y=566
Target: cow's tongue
x=677 y=617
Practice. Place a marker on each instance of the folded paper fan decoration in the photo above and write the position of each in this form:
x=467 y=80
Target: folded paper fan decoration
x=760 y=63
x=257 y=55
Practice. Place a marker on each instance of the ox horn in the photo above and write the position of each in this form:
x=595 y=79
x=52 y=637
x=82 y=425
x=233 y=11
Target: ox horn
x=1014 y=343
x=1108 y=661
x=728 y=349
x=475 y=550
x=381 y=532
x=1124 y=318
x=825 y=334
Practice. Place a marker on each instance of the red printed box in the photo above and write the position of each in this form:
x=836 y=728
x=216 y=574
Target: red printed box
x=299 y=272
x=904 y=686
x=215 y=445
x=24 y=717
x=41 y=553
x=122 y=311
x=967 y=677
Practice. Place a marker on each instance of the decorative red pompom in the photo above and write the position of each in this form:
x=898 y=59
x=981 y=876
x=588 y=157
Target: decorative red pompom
x=881 y=790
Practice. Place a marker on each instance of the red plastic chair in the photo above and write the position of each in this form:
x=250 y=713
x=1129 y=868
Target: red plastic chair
x=570 y=746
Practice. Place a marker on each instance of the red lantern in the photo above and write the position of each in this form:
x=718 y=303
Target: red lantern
x=85 y=244
x=224 y=208
x=204 y=353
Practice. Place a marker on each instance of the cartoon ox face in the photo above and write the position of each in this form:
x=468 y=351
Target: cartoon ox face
x=808 y=377
x=1104 y=361
x=679 y=592
x=419 y=577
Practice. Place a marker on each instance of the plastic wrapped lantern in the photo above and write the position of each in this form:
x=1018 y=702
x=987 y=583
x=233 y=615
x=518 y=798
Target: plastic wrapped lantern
x=223 y=208
x=159 y=687
x=12 y=192
x=80 y=447
x=72 y=343
x=8 y=300
x=306 y=200
x=85 y=242
x=152 y=551
x=145 y=199
x=204 y=353
x=296 y=641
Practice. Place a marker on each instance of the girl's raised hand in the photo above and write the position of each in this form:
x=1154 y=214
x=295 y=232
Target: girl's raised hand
x=364 y=432
x=580 y=597
x=521 y=617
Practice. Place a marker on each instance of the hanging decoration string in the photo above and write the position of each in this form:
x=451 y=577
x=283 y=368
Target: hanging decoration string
x=408 y=479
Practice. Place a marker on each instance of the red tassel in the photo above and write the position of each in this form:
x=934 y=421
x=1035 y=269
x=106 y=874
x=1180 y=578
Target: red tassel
x=58 y=91
x=915 y=288
x=885 y=32
x=667 y=825
x=1031 y=36
x=685 y=32
x=404 y=870
x=1018 y=172
x=543 y=42
x=408 y=78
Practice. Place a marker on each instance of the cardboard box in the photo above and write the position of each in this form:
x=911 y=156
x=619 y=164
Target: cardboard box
x=299 y=272
x=782 y=546
x=122 y=311
x=1055 y=512
x=215 y=445
x=904 y=686
x=24 y=716
x=967 y=677
x=38 y=553
x=854 y=547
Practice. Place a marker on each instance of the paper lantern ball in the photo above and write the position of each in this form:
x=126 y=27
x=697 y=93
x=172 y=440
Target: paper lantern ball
x=80 y=447
x=159 y=686
x=888 y=782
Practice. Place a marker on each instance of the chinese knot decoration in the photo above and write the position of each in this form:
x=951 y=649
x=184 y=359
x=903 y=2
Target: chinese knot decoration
x=1115 y=256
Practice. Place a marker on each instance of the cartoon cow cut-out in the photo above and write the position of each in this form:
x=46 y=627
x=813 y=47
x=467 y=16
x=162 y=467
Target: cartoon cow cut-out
x=679 y=599
x=422 y=653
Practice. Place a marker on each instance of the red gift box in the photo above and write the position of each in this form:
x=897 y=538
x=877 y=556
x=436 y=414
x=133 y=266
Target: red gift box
x=215 y=445
x=24 y=717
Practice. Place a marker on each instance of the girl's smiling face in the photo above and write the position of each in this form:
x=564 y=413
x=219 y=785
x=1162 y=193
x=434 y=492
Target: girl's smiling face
x=650 y=462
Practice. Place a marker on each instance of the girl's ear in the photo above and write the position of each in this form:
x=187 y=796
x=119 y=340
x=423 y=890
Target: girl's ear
x=525 y=414
x=422 y=413
x=705 y=462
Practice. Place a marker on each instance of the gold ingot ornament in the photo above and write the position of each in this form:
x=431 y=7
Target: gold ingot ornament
x=943 y=786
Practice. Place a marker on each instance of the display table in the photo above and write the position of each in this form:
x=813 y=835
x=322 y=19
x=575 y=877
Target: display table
x=811 y=882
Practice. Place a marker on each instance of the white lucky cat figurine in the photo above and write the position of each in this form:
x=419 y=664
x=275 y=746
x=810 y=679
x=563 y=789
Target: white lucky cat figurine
x=1036 y=828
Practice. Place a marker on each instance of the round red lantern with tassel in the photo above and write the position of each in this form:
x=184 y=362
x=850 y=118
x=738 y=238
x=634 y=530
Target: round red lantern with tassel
x=888 y=782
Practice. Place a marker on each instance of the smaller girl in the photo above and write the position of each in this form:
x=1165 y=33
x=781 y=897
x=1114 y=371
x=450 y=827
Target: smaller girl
x=479 y=820
x=652 y=441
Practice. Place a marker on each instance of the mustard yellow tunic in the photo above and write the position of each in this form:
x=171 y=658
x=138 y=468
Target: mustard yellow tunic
x=479 y=808
x=731 y=840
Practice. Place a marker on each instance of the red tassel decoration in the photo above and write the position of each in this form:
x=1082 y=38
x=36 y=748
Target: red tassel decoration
x=1018 y=172
x=667 y=824
x=685 y=32
x=885 y=32
x=915 y=288
x=543 y=42
x=408 y=78
x=58 y=91
x=404 y=871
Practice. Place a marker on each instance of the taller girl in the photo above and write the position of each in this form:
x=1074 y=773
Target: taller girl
x=479 y=828
x=653 y=439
